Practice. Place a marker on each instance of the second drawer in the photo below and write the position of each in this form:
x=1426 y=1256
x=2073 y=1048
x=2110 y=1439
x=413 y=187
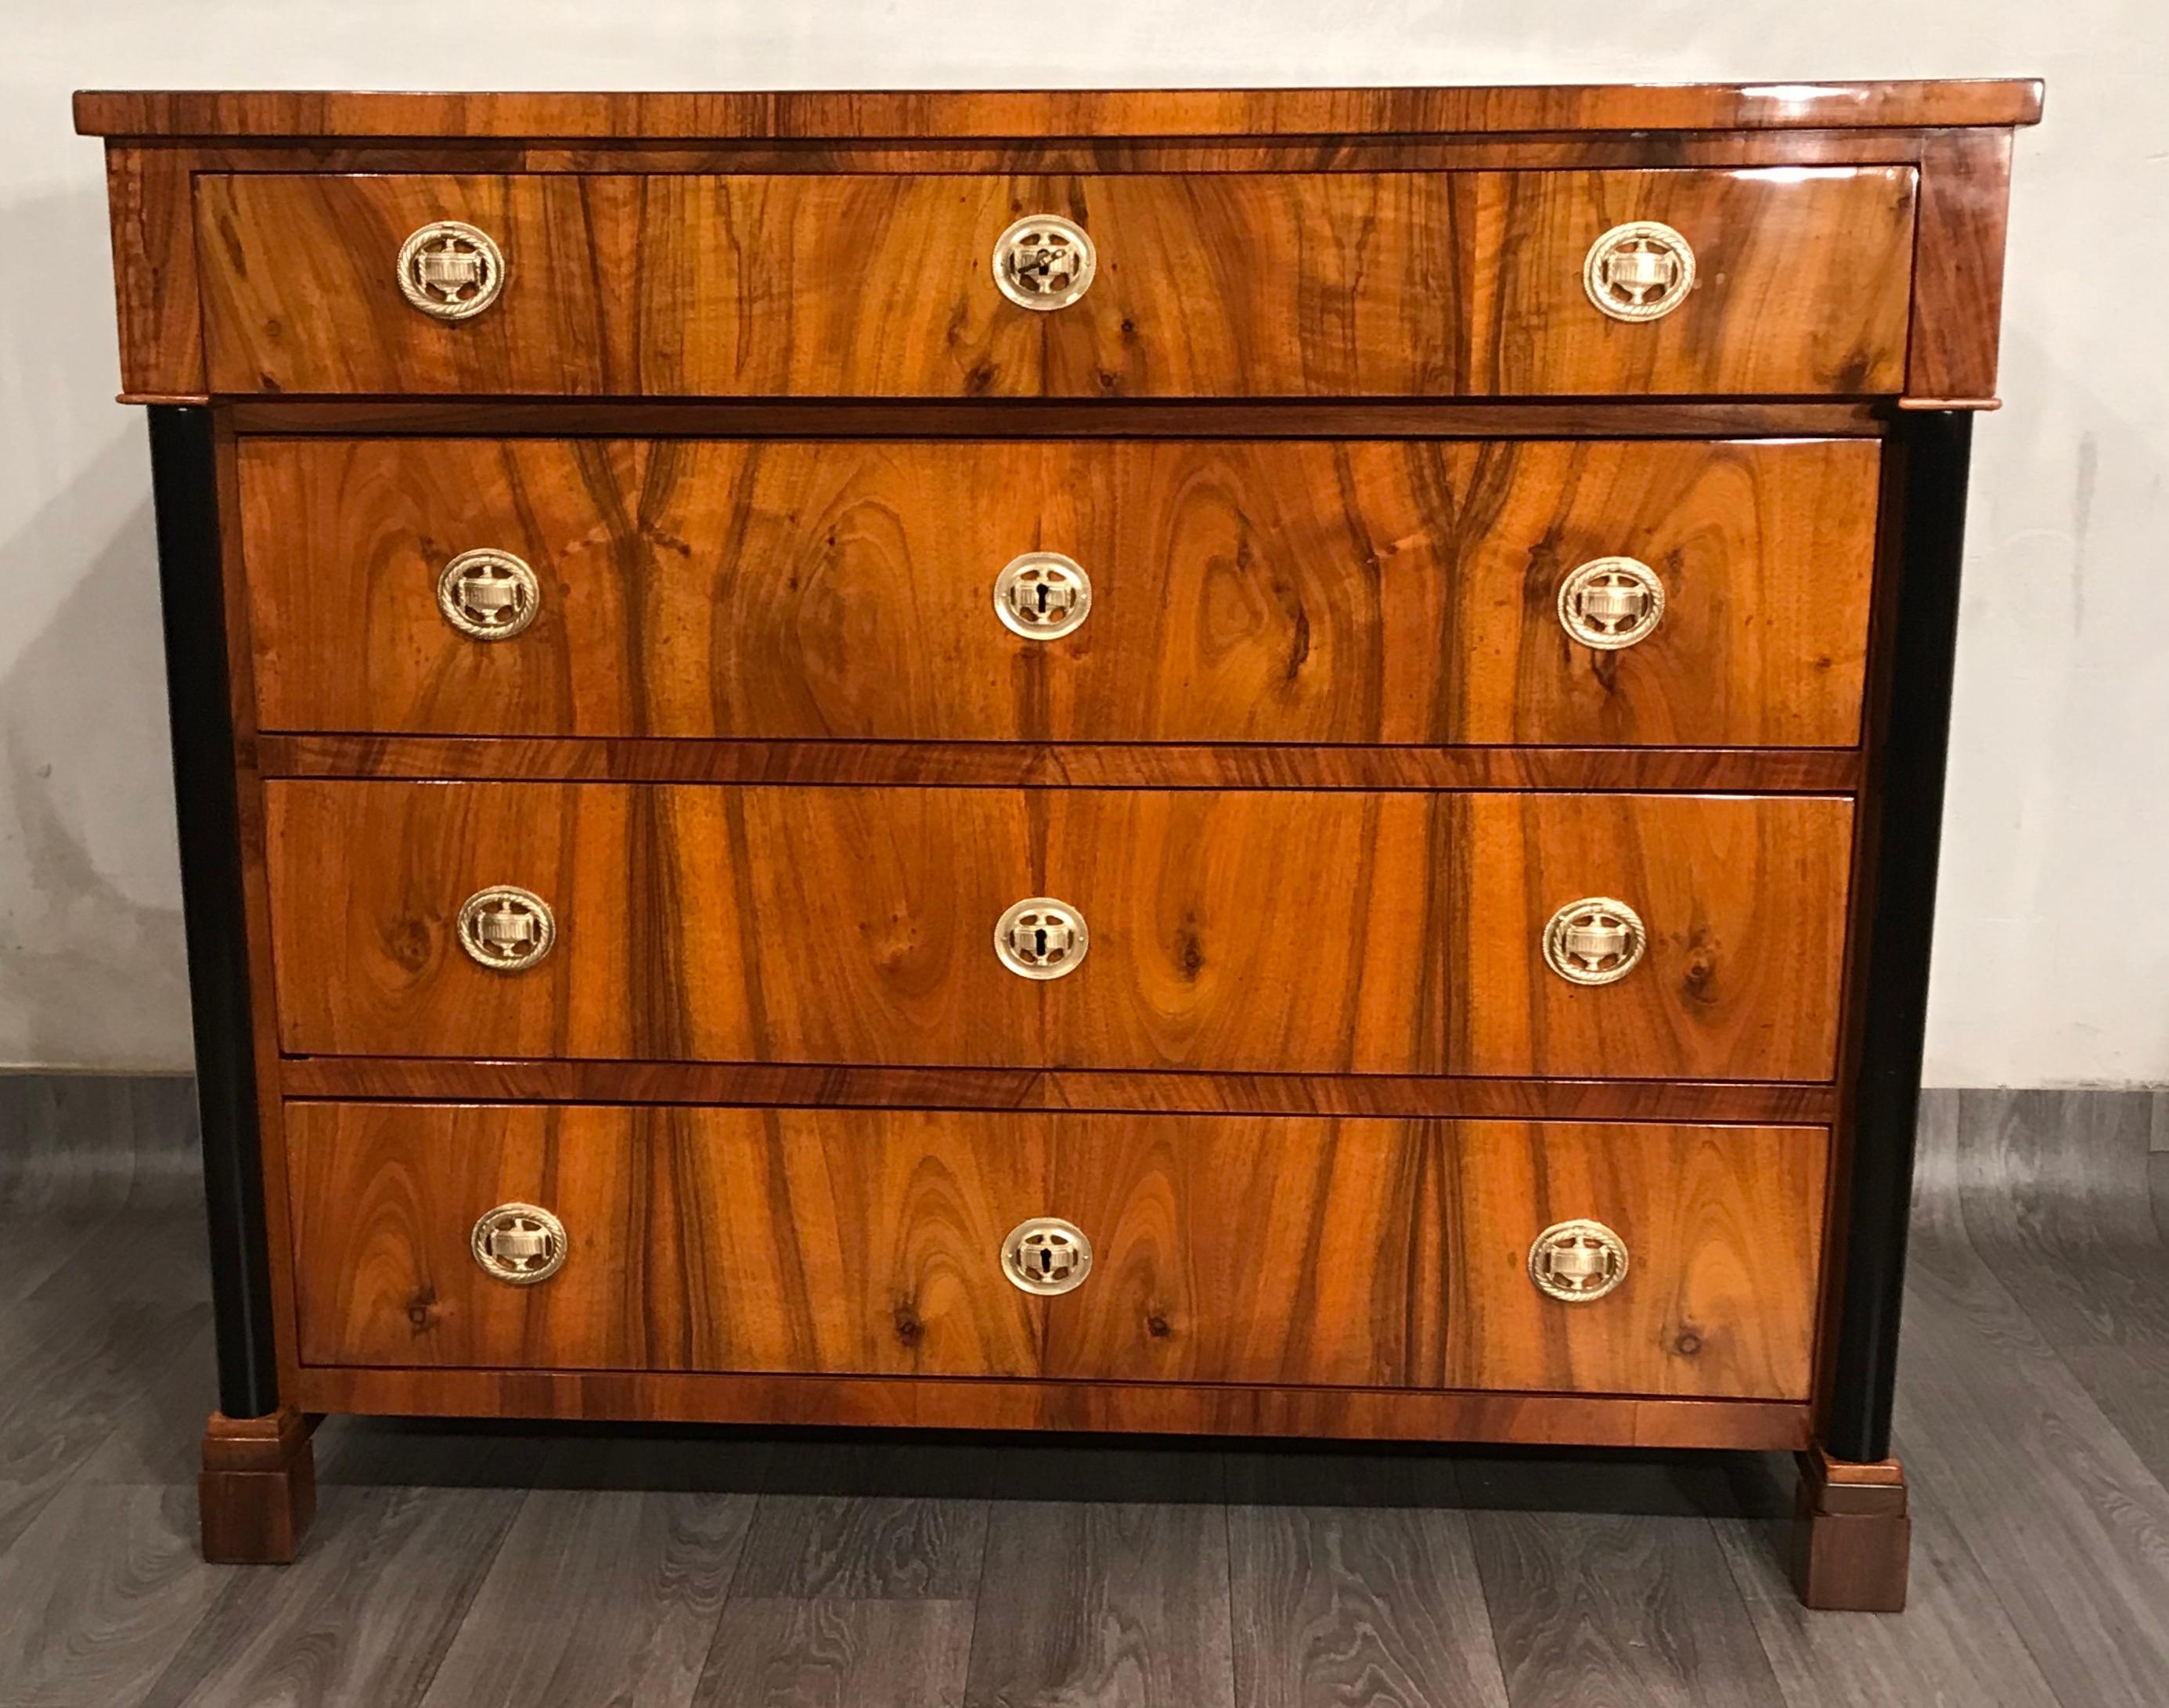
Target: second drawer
x=1369 y=1253
x=1648 y=937
x=1574 y=592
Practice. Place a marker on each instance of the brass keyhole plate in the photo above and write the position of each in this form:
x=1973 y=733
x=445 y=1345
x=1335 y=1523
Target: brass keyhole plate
x=1594 y=941
x=450 y=270
x=507 y=929
x=1609 y=603
x=1047 y=1256
x=519 y=1244
x=1042 y=938
x=1045 y=262
x=488 y=596
x=1642 y=270
x=1577 y=1262
x=1042 y=596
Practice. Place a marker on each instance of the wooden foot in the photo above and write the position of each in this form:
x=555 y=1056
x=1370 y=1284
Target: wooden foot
x=1852 y=1537
x=259 y=1487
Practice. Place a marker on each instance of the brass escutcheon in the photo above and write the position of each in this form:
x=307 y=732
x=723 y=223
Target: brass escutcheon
x=1044 y=262
x=1047 y=1254
x=450 y=270
x=1042 y=938
x=488 y=596
x=1577 y=1262
x=1042 y=596
x=1642 y=270
x=1609 y=603
x=1593 y=941
x=519 y=1244
x=507 y=929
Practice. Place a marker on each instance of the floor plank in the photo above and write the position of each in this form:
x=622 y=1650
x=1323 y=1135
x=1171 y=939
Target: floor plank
x=881 y=1518
x=98 y=1594
x=2055 y=1198
x=1590 y=1609
x=2068 y=1525
x=1092 y=1605
x=1952 y=1647
x=77 y=1353
x=364 y=1617
x=597 y=1596
x=1333 y=1606
x=833 y=1654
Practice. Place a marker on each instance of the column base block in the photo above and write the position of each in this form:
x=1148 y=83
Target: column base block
x=1852 y=1542
x=258 y=1492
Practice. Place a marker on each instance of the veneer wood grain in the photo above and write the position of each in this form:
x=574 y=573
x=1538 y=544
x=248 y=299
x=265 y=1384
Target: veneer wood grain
x=1367 y=1254
x=379 y=1078
x=746 y=287
x=148 y=200
x=1238 y=932
x=1080 y=418
x=1958 y=269
x=315 y=113
x=704 y=1239
x=1260 y=1251
x=1382 y=1414
x=1283 y=592
x=1075 y=765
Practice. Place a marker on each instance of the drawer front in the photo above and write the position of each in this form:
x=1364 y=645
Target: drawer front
x=1400 y=592
x=1284 y=931
x=1399 y=284
x=1368 y=1253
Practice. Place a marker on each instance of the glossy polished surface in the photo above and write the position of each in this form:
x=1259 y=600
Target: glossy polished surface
x=1356 y=1253
x=1351 y=285
x=1267 y=930
x=1267 y=591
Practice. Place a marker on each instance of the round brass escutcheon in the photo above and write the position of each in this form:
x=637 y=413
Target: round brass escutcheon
x=1042 y=596
x=519 y=1244
x=1047 y=1254
x=1642 y=270
x=1593 y=941
x=488 y=596
x=507 y=930
x=1042 y=938
x=1044 y=262
x=1577 y=1262
x=1609 y=603
x=450 y=270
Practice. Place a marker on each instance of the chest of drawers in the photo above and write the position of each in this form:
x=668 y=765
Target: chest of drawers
x=1237 y=762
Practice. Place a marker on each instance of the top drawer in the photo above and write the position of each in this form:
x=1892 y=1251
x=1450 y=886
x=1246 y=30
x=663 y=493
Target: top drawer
x=1787 y=281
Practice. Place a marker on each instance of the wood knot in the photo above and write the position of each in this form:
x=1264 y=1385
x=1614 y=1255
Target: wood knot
x=1688 y=1344
x=421 y=1312
x=406 y=939
x=1699 y=976
x=909 y=1328
x=1156 y=1326
x=1189 y=950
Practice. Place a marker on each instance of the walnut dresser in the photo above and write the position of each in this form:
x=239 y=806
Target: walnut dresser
x=1253 y=763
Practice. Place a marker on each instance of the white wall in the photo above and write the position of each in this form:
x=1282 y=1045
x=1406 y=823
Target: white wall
x=2053 y=933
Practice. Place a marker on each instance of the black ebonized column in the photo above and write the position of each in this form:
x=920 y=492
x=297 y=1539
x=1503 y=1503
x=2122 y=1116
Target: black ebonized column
x=1933 y=449
x=184 y=484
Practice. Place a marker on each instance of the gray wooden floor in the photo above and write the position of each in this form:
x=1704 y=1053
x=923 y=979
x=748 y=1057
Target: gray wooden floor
x=562 y=1569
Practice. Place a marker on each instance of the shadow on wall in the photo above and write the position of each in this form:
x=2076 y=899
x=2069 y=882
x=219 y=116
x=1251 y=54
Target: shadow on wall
x=92 y=965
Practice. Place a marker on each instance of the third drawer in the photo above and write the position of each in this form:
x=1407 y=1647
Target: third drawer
x=1638 y=1259
x=1557 y=934
x=1599 y=593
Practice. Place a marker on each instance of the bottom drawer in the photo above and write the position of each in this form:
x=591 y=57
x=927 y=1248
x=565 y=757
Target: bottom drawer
x=1281 y=1250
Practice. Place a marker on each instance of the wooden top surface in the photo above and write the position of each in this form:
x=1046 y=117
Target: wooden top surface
x=904 y=115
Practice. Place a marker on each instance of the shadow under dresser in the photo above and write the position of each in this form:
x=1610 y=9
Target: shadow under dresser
x=1242 y=762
